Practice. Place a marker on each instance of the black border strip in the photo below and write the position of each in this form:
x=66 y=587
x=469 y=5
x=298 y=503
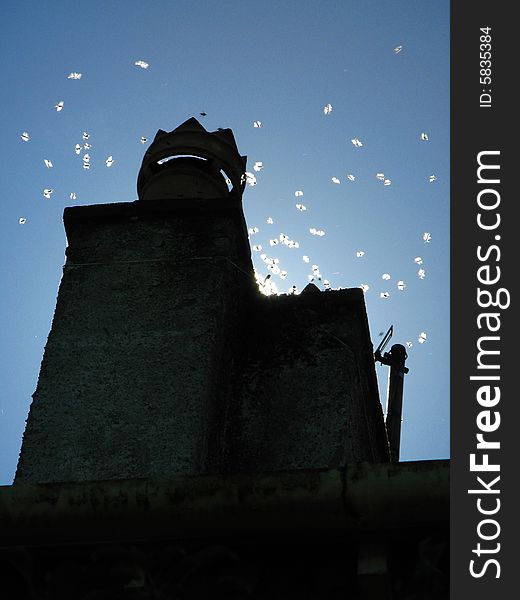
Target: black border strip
x=483 y=123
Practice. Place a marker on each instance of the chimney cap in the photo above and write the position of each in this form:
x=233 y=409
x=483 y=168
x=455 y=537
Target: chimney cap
x=218 y=150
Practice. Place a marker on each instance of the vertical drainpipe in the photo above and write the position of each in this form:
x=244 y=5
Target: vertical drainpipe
x=395 y=359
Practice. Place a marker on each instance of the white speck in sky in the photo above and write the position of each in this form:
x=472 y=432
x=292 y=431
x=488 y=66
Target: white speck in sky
x=427 y=238
x=22 y=220
x=47 y=192
x=327 y=109
x=384 y=295
x=109 y=161
x=357 y=142
x=422 y=337
x=250 y=178
x=409 y=344
x=267 y=286
x=291 y=243
x=142 y=64
x=387 y=182
x=418 y=260
x=273 y=289
x=73 y=196
x=253 y=230
x=59 y=106
x=257 y=124
x=47 y=163
x=301 y=207
x=305 y=259
x=365 y=287
x=77 y=149
x=432 y=178
x=421 y=273
x=143 y=140
x=424 y=137
x=257 y=248
x=398 y=49
x=360 y=253
x=269 y=220
x=318 y=232
x=87 y=146
x=273 y=242
x=401 y=285
x=74 y=75
x=385 y=276
x=283 y=274
x=380 y=176
x=25 y=136
x=336 y=180
x=86 y=135
x=298 y=193
x=351 y=177
x=258 y=166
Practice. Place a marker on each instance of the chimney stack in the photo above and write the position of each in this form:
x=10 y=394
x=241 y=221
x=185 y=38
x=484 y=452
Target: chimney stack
x=164 y=359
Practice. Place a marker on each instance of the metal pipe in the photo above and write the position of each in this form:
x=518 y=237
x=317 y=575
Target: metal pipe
x=394 y=405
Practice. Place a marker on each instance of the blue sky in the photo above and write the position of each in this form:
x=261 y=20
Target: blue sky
x=239 y=61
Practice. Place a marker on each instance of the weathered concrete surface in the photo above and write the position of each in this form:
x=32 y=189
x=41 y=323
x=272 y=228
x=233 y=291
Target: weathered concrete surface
x=307 y=395
x=164 y=359
x=359 y=498
x=366 y=531
x=136 y=367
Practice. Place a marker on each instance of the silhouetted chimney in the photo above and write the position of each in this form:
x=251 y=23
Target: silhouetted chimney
x=164 y=359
